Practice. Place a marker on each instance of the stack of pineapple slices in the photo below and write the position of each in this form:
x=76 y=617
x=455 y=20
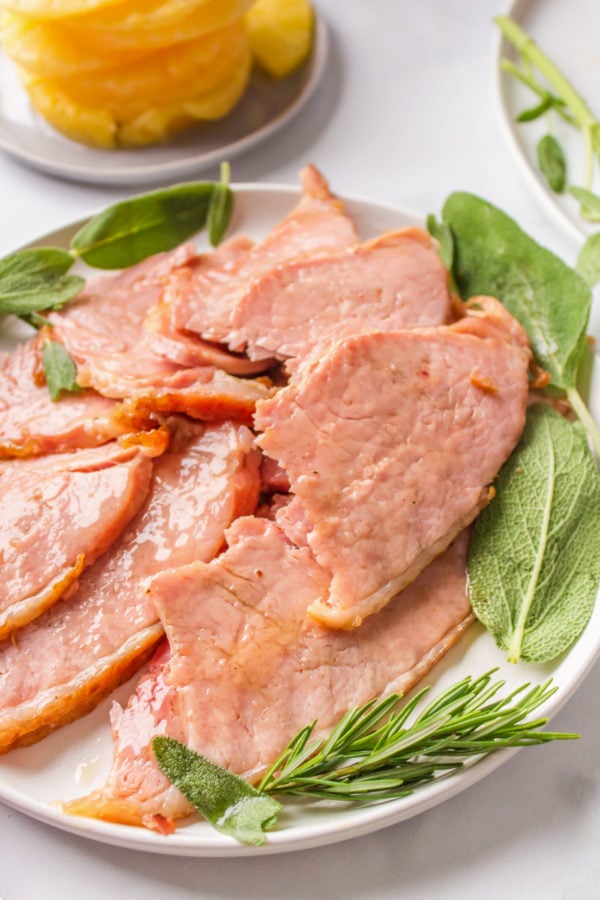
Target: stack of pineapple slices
x=124 y=73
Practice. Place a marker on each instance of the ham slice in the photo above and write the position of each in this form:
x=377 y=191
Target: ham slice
x=248 y=669
x=393 y=282
x=390 y=441
x=32 y=424
x=202 y=302
x=61 y=665
x=59 y=514
x=103 y=330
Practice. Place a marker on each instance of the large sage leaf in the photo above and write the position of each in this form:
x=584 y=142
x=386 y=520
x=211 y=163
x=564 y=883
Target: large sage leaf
x=494 y=256
x=534 y=560
x=36 y=279
x=228 y=802
x=130 y=231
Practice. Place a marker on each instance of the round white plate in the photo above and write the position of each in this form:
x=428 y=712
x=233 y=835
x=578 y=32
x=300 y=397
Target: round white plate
x=568 y=34
x=76 y=759
x=265 y=108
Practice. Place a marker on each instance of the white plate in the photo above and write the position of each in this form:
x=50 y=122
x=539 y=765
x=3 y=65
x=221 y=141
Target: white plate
x=266 y=107
x=568 y=34
x=76 y=759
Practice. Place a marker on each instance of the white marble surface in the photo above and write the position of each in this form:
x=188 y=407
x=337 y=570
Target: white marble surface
x=407 y=114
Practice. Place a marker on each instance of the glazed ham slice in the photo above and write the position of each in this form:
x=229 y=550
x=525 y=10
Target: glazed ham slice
x=32 y=424
x=250 y=668
x=59 y=514
x=393 y=282
x=202 y=302
x=390 y=442
x=137 y=792
x=103 y=330
x=61 y=665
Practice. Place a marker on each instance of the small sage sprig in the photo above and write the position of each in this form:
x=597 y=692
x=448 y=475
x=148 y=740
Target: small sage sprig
x=36 y=279
x=375 y=752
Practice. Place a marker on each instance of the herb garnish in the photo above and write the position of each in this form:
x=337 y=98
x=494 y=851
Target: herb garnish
x=59 y=368
x=228 y=802
x=494 y=256
x=534 y=555
x=557 y=95
x=374 y=752
x=124 y=234
x=220 y=208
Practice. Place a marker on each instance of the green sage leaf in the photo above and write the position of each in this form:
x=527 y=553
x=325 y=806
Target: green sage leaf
x=534 y=112
x=35 y=279
x=228 y=802
x=588 y=261
x=590 y=203
x=552 y=162
x=221 y=207
x=130 y=231
x=534 y=559
x=443 y=235
x=494 y=256
x=59 y=368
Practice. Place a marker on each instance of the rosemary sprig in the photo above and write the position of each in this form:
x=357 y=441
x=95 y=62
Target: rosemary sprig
x=376 y=752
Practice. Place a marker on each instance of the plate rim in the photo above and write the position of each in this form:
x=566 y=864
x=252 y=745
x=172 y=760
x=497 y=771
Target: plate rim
x=190 y=163
x=368 y=819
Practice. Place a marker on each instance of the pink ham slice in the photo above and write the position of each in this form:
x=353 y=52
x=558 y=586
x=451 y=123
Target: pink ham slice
x=32 y=424
x=249 y=669
x=393 y=282
x=64 y=662
x=103 y=330
x=137 y=792
x=59 y=514
x=202 y=302
x=390 y=441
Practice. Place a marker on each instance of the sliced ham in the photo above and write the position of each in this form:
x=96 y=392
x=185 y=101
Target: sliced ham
x=202 y=302
x=248 y=668
x=393 y=282
x=390 y=442
x=32 y=424
x=61 y=665
x=59 y=514
x=137 y=792
x=207 y=393
x=103 y=330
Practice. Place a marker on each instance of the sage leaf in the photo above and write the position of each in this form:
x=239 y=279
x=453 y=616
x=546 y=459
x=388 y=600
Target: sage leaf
x=588 y=261
x=534 y=559
x=590 y=203
x=128 y=232
x=228 y=802
x=494 y=256
x=443 y=235
x=552 y=163
x=59 y=368
x=534 y=112
x=221 y=207
x=35 y=279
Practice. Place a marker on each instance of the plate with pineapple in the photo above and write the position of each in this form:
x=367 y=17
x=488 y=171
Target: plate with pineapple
x=127 y=92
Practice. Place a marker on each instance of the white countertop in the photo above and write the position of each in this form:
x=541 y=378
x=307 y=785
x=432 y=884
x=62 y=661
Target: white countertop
x=406 y=114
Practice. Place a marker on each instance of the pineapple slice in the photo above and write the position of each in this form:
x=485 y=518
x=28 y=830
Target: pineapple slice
x=102 y=127
x=54 y=9
x=165 y=76
x=150 y=24
x=281 y=34
x=49 y=50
